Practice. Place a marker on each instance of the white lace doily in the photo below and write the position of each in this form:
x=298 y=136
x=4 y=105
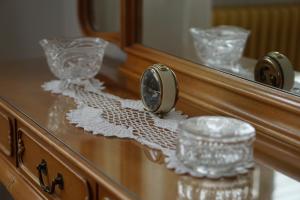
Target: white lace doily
x=105 y=114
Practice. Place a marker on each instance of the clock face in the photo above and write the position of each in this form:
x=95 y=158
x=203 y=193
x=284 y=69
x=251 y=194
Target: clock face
x=151 y=90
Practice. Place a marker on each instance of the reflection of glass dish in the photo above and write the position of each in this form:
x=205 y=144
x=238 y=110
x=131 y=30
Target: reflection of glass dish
x=220 y=46
x=79 y=58
x=238 y=188
x=153 y=155
x=57 y=114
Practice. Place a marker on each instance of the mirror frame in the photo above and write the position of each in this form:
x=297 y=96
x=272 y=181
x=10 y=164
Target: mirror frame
x=275 y=114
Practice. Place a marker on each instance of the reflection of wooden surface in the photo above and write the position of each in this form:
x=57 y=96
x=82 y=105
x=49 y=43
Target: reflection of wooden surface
x=112 y=166
x=273 y=28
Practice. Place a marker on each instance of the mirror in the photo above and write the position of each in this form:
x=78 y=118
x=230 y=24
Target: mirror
x=230 y=36
x=105 y=15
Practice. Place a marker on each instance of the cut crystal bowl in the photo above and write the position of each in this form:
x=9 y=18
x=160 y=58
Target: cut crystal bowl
x=79 y=58
x=220 y=46
x=215 y=146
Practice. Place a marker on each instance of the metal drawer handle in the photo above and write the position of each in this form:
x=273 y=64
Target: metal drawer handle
x=59 y=181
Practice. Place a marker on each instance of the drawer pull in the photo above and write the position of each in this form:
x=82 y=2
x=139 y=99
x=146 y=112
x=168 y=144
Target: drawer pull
x=59 y=181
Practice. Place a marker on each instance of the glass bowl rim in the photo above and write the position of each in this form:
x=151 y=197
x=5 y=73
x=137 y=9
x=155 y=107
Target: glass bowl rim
x=55 y=40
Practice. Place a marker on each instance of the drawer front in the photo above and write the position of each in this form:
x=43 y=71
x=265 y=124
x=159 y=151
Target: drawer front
x=6 y=133
x=56 y=179
x=106 y=194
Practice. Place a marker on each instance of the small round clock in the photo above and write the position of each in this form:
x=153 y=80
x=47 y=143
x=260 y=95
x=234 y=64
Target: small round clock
x=159 y=91
x=276 y=70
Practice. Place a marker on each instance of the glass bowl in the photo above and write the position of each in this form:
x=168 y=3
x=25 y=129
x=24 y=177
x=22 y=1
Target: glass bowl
x=220 y=46
x=79 y=58
x=215 y=146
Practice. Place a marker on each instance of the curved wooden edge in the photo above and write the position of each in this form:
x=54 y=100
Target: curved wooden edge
x=83 y=10
x=7 y=150
x=272 y=112
x=16 y=185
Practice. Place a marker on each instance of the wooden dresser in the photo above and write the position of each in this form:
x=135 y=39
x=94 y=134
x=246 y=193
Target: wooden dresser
x=42 y=156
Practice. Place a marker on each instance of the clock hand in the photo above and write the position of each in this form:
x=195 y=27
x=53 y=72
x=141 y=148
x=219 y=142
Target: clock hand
x=153 y=90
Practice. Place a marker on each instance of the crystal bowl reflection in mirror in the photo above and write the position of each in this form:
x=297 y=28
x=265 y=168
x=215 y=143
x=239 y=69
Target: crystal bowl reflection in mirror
x=215 y=146
x=74 y=59
x=220 y=47
x=237 y=188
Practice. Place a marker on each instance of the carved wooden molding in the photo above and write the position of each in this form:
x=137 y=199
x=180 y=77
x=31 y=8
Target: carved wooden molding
x=10 y=142
x=7 y=149
x=20 y=146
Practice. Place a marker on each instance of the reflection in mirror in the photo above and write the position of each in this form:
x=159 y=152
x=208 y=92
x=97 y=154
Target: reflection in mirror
x=105 y=15
x=225 y=35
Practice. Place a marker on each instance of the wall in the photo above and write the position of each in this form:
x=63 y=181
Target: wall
x=166 y=24
x=106 y=15
x=24 y=23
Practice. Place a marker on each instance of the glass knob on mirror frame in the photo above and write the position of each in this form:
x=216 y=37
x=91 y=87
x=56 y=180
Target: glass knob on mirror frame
x=159 y=89
x=276 y=70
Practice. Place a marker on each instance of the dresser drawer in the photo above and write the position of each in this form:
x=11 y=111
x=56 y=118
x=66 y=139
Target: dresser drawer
x=46 y=170
x=105 y=194
x=6 y=133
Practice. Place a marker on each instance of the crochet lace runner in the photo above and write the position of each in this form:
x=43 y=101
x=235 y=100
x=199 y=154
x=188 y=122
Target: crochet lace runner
x=108 y=115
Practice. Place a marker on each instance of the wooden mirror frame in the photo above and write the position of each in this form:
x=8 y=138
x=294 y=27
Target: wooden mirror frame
x=205 y=91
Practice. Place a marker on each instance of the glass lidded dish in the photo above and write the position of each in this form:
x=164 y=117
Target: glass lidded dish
x=74 y=59
x=215 y=146
x=221 y=46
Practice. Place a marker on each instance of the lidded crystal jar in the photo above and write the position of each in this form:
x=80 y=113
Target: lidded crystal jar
x=215 y=146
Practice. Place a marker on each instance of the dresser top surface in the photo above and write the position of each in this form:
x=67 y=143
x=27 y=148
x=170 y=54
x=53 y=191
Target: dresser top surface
x=124 y=161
